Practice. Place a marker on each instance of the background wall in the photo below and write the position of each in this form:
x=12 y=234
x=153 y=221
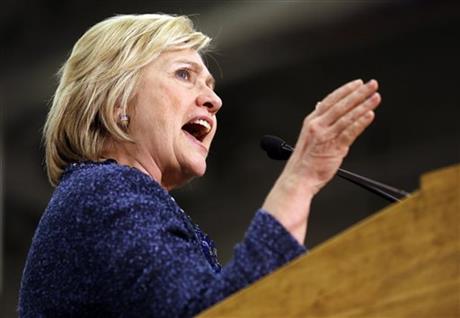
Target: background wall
x=275 y=59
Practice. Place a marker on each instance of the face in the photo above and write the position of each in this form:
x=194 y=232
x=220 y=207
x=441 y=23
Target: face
x=173 y=118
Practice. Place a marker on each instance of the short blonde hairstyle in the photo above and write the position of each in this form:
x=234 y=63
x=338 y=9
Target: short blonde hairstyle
x=102 y=73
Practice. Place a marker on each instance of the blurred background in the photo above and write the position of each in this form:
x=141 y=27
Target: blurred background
x=273 y=61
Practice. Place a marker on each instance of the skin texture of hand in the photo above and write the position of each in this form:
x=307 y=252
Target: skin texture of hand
x=324 y=140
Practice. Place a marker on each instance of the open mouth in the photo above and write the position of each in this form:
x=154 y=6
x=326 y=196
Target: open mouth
x=198 y=128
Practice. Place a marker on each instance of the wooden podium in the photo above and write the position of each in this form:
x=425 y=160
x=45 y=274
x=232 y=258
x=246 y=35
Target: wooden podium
x=401 y=262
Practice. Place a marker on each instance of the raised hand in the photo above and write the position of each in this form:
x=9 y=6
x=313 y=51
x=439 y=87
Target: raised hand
x=326 y=136
x=329 y=131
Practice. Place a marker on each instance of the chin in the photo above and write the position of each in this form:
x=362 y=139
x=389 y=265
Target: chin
x=192 y=171
x=198 y=170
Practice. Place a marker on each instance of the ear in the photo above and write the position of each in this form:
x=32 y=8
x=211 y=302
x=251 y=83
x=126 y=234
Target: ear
x=117 y=112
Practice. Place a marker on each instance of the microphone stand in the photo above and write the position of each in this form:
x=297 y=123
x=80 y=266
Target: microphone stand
x=278 y=149
x=383 y=190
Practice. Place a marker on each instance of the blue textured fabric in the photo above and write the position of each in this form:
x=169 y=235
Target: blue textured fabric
x=113 y=243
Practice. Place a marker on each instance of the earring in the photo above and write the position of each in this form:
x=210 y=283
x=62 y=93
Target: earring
x=124 y=120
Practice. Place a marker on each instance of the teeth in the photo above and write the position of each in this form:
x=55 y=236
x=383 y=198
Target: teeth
x=203 y=123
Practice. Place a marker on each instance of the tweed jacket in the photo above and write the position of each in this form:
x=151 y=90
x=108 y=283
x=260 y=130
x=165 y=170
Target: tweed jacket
x=113 y=243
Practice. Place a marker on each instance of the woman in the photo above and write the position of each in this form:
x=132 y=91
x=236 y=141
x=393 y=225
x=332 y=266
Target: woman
x=133 y=117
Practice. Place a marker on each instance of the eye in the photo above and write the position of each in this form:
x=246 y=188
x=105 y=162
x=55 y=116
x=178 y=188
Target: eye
x=183 y=74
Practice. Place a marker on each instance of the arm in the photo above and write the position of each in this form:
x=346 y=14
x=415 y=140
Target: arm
x=324 y=140
x=154 y=266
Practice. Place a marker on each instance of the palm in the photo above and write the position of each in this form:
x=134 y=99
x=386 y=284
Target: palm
x=329 y=131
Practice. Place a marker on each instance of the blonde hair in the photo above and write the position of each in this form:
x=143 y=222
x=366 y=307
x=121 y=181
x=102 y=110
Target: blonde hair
x=101 y=74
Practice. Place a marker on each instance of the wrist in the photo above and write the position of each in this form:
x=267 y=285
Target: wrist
x=289 y=202
x=296 y=186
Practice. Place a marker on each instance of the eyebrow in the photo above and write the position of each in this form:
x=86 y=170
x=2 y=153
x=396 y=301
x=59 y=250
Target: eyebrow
x=210 y=80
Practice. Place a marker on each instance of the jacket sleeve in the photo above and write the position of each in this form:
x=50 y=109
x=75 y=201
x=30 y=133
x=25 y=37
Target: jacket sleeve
x=155 y=267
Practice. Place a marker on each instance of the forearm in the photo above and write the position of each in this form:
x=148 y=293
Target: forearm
x=289 y=203
x=266 y=246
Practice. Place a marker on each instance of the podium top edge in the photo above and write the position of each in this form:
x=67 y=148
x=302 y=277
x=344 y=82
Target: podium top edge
x=448 y=175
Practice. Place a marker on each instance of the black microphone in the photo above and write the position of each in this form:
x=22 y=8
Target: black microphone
x=277 y=149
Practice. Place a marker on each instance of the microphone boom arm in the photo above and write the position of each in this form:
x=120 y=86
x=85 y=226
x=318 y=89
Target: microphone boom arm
x=372 y=186
x=278 y=149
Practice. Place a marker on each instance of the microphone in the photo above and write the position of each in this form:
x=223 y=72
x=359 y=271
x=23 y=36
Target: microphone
x=277 y=149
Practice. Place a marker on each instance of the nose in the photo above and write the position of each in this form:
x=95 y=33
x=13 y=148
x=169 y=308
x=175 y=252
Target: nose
x=209 y=99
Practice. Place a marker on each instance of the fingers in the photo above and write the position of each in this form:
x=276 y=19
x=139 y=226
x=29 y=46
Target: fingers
x=349 y=135
x=337 y=95
x=349 y=102
x=349 y=118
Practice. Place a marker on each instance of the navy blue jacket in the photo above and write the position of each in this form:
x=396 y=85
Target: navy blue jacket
x=113 y=243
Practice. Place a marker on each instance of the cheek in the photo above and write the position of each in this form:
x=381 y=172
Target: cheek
x=153 y=109
x=168 y=99
x=162 y=109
